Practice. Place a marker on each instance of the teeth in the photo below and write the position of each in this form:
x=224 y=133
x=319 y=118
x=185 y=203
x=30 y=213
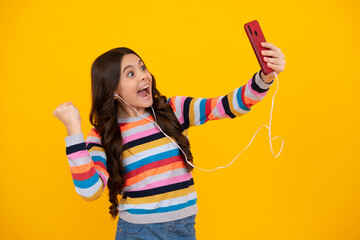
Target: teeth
x=144 y=88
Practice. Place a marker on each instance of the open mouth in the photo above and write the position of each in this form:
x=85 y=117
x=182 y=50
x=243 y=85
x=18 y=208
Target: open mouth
x=144 y=92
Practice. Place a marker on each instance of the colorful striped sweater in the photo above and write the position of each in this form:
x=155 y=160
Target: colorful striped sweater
x=157 y=186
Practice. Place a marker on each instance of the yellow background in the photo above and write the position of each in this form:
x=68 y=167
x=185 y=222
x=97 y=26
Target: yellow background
x=198 y=49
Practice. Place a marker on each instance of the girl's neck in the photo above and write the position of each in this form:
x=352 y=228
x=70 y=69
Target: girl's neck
x=128 y=112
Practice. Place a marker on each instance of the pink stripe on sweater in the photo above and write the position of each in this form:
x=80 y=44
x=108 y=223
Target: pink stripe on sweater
x=87 y=142
x=181 y=119
x=79 y=154
x=166 y=182
x=103 y=179
x=220 y=108
x=140 y=135
x=248 y=85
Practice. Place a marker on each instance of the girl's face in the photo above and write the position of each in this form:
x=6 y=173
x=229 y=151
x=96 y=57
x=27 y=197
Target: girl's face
x=134 y=77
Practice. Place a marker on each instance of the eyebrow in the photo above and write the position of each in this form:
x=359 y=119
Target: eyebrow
x=130 y=66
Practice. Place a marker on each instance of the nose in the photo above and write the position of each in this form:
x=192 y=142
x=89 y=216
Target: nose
x=142 y=75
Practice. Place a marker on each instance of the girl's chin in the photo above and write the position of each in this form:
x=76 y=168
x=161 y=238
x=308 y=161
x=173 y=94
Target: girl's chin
x=146 y=105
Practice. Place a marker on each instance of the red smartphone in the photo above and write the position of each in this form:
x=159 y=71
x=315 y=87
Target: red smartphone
x=256 y=37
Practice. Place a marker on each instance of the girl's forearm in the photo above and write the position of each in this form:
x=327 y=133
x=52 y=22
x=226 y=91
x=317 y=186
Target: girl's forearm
x=73 y=130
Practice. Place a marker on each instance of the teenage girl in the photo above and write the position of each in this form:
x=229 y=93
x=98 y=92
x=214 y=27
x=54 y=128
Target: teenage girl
x=149 y=175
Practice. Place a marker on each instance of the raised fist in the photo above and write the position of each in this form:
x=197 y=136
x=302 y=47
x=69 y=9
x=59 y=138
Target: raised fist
x=69 y=115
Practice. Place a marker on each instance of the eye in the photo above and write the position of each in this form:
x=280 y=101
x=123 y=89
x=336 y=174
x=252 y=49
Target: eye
x=143 y=67
x=130 y=74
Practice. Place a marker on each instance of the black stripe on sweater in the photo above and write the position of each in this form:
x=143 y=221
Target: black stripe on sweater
x=225 y=103
x=91 y=145
x=160 y=190
x=186 y=110
x=256 y=87
x=75 y=148
x=146 y=139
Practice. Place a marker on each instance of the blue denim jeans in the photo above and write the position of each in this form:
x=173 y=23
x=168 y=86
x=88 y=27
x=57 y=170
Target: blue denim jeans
x=182 y=229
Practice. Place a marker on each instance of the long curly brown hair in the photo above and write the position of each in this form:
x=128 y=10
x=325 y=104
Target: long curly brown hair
x=105 y=77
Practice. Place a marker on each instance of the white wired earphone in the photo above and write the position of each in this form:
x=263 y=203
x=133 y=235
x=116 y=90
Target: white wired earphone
x=210 y=170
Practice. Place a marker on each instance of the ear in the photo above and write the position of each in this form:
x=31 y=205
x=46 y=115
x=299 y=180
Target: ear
x=115 y=97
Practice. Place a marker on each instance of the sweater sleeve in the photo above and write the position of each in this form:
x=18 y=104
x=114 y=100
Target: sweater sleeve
x=87 y=160
x=197 y=111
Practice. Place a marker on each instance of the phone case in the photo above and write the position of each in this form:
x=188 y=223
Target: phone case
x=256 y=36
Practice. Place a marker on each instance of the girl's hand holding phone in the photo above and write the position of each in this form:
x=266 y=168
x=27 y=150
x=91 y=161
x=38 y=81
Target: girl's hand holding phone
x=268 y=55
x=274 y=59
x=69 y=115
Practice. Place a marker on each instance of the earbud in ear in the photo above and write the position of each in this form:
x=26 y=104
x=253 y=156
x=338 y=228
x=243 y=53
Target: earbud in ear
x=115 y=94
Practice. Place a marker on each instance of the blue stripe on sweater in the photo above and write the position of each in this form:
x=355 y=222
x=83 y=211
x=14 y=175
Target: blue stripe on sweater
x=151 y=159
x=240 y=101
x=163 y=209
x=202 y=111
x=88 y=182
x=99 y=158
